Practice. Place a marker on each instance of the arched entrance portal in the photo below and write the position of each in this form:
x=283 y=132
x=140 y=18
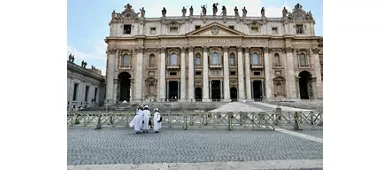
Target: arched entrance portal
x=305 y=85
x=233 y=94
x=124 y=86
x=198 y=94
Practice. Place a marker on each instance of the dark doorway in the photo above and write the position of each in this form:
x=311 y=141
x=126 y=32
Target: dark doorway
x=173 y=90
x=198 y=94
x=216 y=90
x=304 y=83
x=124 y=86
x=257 y=90
x=233 y=94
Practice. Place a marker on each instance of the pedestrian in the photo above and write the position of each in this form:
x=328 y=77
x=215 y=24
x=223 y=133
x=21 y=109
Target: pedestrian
x=137 y=120
x=146 y=119
x=157 y=120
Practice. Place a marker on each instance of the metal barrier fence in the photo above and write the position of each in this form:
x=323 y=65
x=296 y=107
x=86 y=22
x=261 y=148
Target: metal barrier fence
x=203 y=120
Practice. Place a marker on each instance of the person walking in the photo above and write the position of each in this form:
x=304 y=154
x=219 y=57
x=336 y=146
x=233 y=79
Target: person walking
x=146 y=119
x=137 y=120
x=157 y=120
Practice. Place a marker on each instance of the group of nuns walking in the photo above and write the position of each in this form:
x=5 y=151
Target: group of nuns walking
x=142 y=121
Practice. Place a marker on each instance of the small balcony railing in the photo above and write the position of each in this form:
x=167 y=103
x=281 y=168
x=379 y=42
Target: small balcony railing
x=124 y=67
x=277 y=65
x=256 y=66
x=304 y=65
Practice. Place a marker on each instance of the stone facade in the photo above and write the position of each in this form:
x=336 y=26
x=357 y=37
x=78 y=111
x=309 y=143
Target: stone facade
x=213 y=57
x=86 y=86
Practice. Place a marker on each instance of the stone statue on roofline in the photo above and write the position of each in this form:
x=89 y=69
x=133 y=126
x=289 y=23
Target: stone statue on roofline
x=224 y=11
x=164 y=12
x=142 y=12
x=191 y=11
x=284 y=12
x=215 y=9
x=244 y=12
x=236 y=11
x=262 y=12
x=204 y=11
x=183 y=11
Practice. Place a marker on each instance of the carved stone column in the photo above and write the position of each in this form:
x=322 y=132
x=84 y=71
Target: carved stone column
x=268 y=79
x=162 y=75
x=290 y=79
x=183 y=89
x=116 y=91
x=241 y=91
x=139 y=75
x=110 y=76
x=205 y=93
x=190 y=74
x=317 y=72
x=247 y=76
x=226 y=91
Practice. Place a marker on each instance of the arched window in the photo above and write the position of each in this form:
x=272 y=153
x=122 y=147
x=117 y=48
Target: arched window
x=277 y=59
x=173 y=59
x=255 y=59
x=152 y=60
x=231 y=59
x=215 y=59
x=125 y=62
x=302 y=60
x=197 y=59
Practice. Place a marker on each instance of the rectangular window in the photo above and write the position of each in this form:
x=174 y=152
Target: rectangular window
x=198 y=73
x=173 y=29
x=232 y=73
x=173 y=73
x=75 y=92
x=94 y=97
x=231 y=27
x=197 y=27
x=255 y=29
x=299 y=29
x=274 y=30
x=86 y=93
x=197 y=60
x=231 y=60
x=153 y=30
x=127 y=29
x=125 y=61
x=257 y=73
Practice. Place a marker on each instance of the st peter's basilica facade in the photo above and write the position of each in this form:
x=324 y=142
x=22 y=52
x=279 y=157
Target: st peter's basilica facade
x=213 y=56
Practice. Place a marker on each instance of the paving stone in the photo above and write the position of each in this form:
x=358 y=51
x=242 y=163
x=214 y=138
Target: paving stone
x=122 y=145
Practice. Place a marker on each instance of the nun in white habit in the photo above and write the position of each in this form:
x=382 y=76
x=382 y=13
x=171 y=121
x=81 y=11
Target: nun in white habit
x=157 y=120
x=137 y=120
x=146 y=119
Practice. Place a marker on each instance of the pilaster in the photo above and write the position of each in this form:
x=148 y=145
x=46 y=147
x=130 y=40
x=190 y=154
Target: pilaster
x=191 y=74
x=205 y=97
x=226 y=90
x=162 y=75
x=267 y=69
x=247 y=76
x=183 y=89
x=241 y=92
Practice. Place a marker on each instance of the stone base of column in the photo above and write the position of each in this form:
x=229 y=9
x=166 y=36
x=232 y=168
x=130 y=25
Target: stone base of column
x=136 y=101
x=206 y=100
x=183 y=100
x=227 y=100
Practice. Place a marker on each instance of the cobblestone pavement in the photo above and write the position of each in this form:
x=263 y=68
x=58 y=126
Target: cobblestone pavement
x=312 y=132
x=123 y=146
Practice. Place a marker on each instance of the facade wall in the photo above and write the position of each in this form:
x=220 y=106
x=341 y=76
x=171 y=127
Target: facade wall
x=279 y=72
x=84 y=77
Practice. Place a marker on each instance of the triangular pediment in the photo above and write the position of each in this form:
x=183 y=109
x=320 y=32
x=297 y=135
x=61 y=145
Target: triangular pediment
x=215 y=29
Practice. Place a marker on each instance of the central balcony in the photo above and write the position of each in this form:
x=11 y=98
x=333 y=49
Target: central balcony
x=173 y=67
x=215 y=66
